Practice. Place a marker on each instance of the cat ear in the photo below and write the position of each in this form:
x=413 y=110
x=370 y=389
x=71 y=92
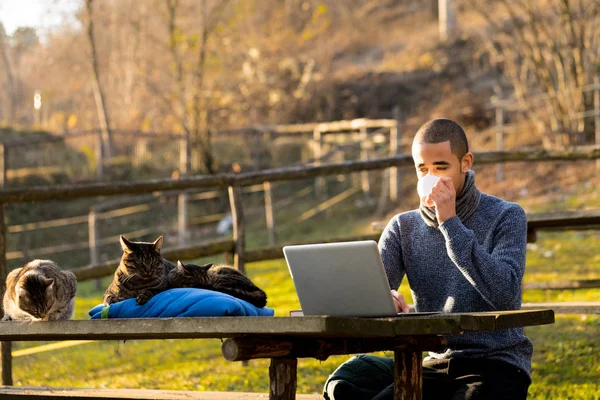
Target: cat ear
x=158 y=244
x=48 y=282
x=180 y=265
x=126 y=244
x=206 y=266
x=21 y=292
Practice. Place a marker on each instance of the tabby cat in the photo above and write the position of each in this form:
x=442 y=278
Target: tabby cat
x=141 y=274
x=39 y=291
x=219 y=278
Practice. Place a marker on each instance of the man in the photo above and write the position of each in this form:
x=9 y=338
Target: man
x=462 y=251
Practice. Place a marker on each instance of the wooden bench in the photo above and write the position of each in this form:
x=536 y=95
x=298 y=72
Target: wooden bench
x=564 y=220
x=282 y=339
x=39 y=393
x=575 y=307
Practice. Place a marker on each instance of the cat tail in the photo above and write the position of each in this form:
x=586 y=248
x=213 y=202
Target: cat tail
x=257 y=297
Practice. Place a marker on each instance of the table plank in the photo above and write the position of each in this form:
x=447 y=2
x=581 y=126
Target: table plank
x=224 y=327
x=505 y=319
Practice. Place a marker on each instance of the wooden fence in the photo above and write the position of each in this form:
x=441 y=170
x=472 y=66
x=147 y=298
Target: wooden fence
x=325 y=140
x=234 y=246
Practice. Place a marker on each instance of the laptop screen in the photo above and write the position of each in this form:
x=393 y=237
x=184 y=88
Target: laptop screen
x=340 y=279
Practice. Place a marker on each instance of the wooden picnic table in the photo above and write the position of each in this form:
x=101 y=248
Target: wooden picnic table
x=285 y=339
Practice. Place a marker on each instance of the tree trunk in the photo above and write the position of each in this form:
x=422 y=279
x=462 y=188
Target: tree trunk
x=12 y=88
x=201 y=132
x=99 y=97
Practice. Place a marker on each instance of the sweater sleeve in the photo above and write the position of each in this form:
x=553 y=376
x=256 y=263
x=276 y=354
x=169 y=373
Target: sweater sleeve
x=496 y=276
x=391 y=253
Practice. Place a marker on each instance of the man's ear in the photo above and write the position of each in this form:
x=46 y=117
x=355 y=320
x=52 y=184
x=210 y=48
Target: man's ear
x=467 y=162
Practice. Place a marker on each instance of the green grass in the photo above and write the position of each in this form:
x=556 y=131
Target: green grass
x=566 y=361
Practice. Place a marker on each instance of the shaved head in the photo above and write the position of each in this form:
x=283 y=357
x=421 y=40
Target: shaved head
x=443 y=130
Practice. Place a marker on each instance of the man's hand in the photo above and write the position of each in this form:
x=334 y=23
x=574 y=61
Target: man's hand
x=443 y=195
x=399 y=302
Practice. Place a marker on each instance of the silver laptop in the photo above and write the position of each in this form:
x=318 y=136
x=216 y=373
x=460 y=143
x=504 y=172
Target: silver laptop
x=340 y=279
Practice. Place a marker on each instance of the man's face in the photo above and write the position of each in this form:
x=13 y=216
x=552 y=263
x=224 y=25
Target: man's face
x=437 y=159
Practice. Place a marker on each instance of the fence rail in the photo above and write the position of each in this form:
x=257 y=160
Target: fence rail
x=223 y=180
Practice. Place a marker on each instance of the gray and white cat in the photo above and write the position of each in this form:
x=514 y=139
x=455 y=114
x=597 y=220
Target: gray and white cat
x=39 y=291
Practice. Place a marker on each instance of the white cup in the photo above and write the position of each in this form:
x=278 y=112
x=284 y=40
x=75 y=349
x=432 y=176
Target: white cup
x=425 y=185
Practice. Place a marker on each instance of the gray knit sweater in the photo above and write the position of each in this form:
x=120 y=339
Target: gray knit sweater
x=465 y=266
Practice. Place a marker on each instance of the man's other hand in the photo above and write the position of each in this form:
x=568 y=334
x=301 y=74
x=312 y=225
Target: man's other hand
x=400 y=302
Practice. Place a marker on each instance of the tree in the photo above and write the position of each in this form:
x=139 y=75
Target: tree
x=99 y=96
x=547 y=52
x=191 y=103
x=11 y=81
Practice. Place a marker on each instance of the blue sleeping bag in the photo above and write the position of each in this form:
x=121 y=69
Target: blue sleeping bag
x=186 y=302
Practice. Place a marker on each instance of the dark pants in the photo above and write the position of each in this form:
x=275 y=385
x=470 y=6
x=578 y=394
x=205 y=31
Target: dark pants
x=371 y=378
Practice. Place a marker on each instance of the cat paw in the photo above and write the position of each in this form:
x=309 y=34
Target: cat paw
x=7 y=318
x=143 y=298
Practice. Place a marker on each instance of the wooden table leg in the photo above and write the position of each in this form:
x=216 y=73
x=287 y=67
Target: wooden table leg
x=6 y=349
x=282 y=374
x=408 y=375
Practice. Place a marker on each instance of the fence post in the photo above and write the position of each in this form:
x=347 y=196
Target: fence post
x=499 y=139
x=228 y=258
x=93 y=237
x=597 y=114
x=3 y=165
x=446 y=18
x=182 y=218
x=395 y=149
x=364 y=155
x=239 y=228
x=5 y=347
x=317 y=154
x=93 y=242
x=269 y=215
x=268 y=140
x=140 y=151
x=256 y=150
x=99 y=156
x=182 y=198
